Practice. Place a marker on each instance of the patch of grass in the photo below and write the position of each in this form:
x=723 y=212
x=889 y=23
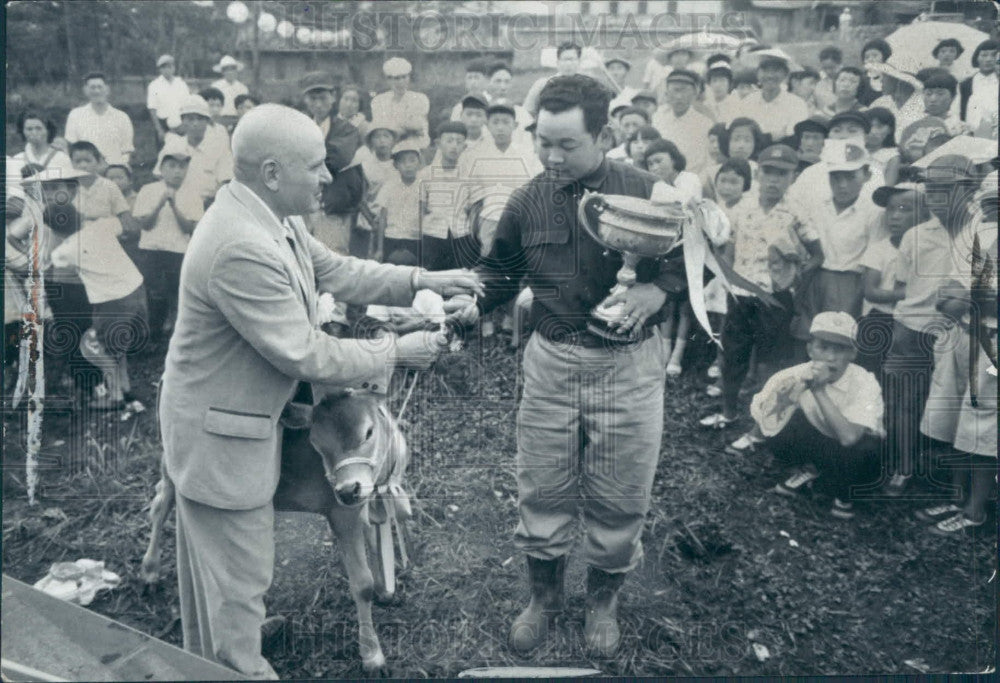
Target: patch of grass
x=863 y=596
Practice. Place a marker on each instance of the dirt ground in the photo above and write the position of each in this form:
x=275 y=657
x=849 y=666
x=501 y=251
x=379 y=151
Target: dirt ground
x=736 y=579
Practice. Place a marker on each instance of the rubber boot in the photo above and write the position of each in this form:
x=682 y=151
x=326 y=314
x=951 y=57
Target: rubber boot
x=531 y=627
x=600 y=628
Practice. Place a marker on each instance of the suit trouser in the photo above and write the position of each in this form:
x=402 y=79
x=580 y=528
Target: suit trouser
x=590 y=425
x=225 y=562
x=906 y=373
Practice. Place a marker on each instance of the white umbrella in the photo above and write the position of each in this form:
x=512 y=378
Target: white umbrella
x=704 y=41
x=976 y=150
x=912 y=45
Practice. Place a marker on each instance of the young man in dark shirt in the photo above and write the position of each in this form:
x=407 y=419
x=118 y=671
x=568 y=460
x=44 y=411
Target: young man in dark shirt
x=591 y=414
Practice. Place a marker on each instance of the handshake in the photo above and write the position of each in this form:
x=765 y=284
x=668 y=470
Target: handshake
x=420 y=349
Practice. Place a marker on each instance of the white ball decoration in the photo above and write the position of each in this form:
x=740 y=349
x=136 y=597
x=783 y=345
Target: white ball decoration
x=285 y=29
x=238 y=12
x=304 y=35
x=267 y=22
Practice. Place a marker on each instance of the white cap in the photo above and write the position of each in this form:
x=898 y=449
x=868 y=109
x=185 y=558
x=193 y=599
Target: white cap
x=844 y=155
x=227 y=62
x=397 y=66
x=834 y=326
x=195 y=104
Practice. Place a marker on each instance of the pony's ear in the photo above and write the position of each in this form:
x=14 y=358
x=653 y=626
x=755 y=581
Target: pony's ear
x=296 y=416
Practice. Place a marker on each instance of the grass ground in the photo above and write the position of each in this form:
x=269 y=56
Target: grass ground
x=730 y=568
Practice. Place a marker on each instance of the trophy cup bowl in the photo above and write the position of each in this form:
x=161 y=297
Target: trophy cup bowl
x=637 y=228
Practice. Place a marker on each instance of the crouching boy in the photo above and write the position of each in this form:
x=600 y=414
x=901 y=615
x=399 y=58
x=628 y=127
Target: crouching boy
x=824 y=417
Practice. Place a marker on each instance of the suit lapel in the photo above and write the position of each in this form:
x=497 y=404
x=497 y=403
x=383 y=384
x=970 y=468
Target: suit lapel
x=294 y=261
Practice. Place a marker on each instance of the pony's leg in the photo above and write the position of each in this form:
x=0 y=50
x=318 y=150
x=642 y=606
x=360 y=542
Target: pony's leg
x=347 y=526
x=159 y=508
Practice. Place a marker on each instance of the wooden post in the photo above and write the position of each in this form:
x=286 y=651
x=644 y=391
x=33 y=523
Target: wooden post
x=255 y=48
x=70 y=44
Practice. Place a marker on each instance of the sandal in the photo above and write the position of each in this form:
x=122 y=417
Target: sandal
x=842 y=510
x=897 y=485
x=936 y=513
x=716 y=421
x=956 y=524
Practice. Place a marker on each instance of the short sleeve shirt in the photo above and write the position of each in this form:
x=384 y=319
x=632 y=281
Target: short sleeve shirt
x=103 y=199
x=856 y=394
x=439 y=196
x=402 y=205
x=407 y=113
x=111 y=132
x=756 y=231
x=94 y=251
x=845 y=235
x=166 y=233
x=925 y=263
x=688 y=131
x=778 y=117
x=165 y=98
x=881 y=256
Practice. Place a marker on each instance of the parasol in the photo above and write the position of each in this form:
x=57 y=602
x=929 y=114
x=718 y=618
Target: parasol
x=912 y=45
x=976 y=150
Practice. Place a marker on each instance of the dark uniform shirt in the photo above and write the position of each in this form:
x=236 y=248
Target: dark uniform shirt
x=540 y=240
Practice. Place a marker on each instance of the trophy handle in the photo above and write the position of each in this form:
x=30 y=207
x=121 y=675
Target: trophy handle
x=600 y=205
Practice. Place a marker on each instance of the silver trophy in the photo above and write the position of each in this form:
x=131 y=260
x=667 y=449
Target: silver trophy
x=637 y=228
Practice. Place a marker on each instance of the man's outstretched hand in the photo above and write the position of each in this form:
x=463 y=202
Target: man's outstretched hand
x=449 y=283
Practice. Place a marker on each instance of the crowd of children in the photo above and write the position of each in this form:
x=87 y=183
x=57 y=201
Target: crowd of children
x=859 y=260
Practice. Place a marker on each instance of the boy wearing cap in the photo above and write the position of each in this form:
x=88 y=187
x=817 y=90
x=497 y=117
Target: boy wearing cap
x=775 y=109
x=406 y=108
x=230 y=87
x=904 y=208
x=474 y=117
x=618 y=68
x=646 y=101
x=979 y=93
x=772 y=249
x=344 y=195
x=211 y=162
x=97 y=197
x=476 y=82
x=167 y=213
x=375 y=161
x=926 y=258
x=810 y=136
x=445 y=239
x=846 y=221
x=681 y=123
x=491 y=171
x=164 y=96
x=397 y=205
x=823 y=417
x=108 y=128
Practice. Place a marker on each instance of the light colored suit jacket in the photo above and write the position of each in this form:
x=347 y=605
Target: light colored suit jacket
x=246 y=333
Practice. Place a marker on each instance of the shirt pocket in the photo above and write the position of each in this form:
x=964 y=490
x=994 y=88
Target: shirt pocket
x=238 y=424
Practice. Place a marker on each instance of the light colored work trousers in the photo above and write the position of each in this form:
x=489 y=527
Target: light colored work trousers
x=225 y=562
x=589 y=430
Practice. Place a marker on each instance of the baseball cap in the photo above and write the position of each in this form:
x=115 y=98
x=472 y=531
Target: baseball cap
x=381 y=124
x=408 y=145
x=397 y=66
x=779 y=156
x=176 y=147
x=855 y=117
x=620 y=60
x=500 y=108
x=644 y=95
x=882 y=195
x=195 y=104
x=684 y=76
x=844 y=155
x=315 y=80
x=453 y=127
x=164 y=59
x=474 y=101
x=836 y=327
x=816 y=124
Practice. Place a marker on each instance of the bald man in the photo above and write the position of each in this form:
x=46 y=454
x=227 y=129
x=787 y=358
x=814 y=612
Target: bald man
x=246 y=334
